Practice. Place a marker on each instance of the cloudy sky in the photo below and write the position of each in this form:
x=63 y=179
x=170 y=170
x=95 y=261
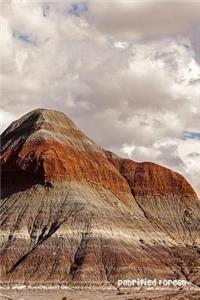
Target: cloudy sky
x=127 y=72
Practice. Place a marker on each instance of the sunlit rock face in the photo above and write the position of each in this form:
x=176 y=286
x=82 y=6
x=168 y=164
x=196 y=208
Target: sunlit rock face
x=73 y=213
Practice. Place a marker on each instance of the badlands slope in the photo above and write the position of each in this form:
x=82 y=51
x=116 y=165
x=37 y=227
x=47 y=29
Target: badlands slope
x=72 y=213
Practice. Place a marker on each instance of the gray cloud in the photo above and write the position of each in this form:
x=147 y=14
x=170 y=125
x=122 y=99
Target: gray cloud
x=145 y=19
x=194 y=154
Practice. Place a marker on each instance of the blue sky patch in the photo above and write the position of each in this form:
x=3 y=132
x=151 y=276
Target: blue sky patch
x=23 y=37
x=191 y=135
x=78 y=8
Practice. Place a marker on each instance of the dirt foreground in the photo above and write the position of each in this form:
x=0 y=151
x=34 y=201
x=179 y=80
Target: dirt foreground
x=73 y=294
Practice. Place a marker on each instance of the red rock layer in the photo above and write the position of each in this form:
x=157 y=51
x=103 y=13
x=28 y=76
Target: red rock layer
x=52 y=161
x=148 y=178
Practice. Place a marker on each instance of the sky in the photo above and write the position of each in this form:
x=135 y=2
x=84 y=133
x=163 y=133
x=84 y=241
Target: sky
x=126 y=72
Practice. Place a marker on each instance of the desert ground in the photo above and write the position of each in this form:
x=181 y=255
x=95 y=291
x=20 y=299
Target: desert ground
x=75 y=294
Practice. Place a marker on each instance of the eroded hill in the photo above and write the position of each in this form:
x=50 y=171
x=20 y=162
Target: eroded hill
x=75 y=214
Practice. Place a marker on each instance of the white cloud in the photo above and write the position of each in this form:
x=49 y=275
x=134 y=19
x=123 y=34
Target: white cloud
x=6 y=118
x=189 y=150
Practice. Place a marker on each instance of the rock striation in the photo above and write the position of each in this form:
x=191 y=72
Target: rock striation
x=72 y=213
